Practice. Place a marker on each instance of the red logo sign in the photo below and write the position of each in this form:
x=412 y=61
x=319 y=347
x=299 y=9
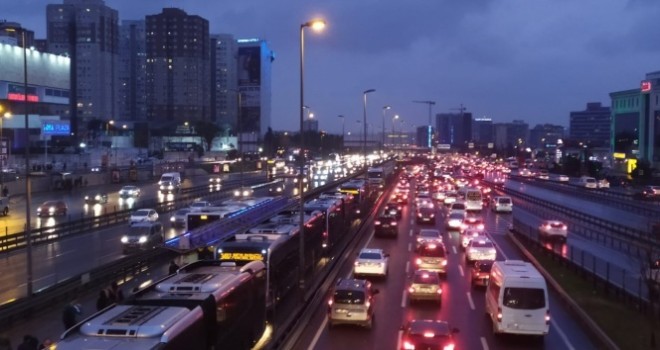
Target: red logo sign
x=646 y=86
x=13 y=96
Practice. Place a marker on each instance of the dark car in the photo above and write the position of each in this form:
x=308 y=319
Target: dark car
x=52 y=208
x=393 y=209
x=481 y=272
x=428 y=334
x=650 y=193
x=426 y=215
x=96 y=198
x=386 y=225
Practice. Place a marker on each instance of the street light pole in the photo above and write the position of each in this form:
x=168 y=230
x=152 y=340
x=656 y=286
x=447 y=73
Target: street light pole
x=342 y=132
x=28 y=190
x=382 y=143
x=317 y=25
x=364 y=122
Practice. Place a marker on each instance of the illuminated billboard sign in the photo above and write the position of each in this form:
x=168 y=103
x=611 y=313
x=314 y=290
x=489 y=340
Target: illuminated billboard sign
x=646 y=86
x=55 y=127
x=17 y=93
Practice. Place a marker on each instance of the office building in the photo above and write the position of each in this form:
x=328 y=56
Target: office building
x=425 y=136
x=178 y=69
x=545 y=136
x=88 y=32
x=636 y=124
x=255 y=59
x=132 y=100
x=454 y=129
x=311 y=125
x=11 y=33
x=591 y=126
x=511 y=135
x=224 y=82
x=482 y=131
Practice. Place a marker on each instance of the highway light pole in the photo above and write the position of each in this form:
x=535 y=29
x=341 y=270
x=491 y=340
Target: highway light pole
x=382 y=143
x=364 y=122
x=317 y=25
x=342 y=132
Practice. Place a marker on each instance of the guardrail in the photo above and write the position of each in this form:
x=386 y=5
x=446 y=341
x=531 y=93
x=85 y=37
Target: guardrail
x=611 y=279
x=601 y=230
x=69 y=228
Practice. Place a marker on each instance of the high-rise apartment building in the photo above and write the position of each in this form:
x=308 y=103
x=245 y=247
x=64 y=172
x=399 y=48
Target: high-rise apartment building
x=132 y=76
x=482 y=131
x=255 y=59
x=591 y=126
x=224 y=82
x=87 y=31
x=454 y=129
x=178 y=69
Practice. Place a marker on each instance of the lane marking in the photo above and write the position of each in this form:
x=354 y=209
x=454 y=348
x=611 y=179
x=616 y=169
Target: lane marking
x=403 y=299
x=409 y=247
x=312 y=345
x=398 y=340
x=412 y=221
x=460 y=269
x=453 y=248
x=484 y=344
x=562 y=335
x=411 y=232
x=407 y=267
x=470 y=300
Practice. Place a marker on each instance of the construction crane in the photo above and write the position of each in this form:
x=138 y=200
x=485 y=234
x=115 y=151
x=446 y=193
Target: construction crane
x=462 y=109
x=430 y=103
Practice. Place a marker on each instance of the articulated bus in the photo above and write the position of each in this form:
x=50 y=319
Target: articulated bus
x=228 y=208
x=205 y=305
x=333 y=215
x=359 y=190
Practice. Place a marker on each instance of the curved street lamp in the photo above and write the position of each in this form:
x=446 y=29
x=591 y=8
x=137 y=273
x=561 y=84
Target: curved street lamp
x=364 y=122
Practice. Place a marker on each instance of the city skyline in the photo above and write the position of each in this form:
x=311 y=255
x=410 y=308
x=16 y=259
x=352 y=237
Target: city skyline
x=498 y=60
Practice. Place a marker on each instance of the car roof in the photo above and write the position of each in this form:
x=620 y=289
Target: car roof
x=371 y=250
x=429 y=230
x=352 y=284
x=436 y=326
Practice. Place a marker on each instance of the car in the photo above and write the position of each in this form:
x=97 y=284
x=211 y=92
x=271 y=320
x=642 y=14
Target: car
x=502 y=204
x=352 y=302
x=400 y=198
x=480 y=274
x=425 y=285
x=129 y=191
x=588 y=182
x=215 y=181
x=439 y=196
x=142 y=215
x=199 y=205
x=427 y=235
x=428 y=334
x=141 y=236
x=560 y=178
x=480 y=248
x=167 y=187
x=467 y=236
x=454 y=221
x=245 y=191
x=425 y=214
x=371 y=262
x=386 y=225
x=458 y=207
x=52 y=208
x=394 y=209
x=543 y=175
x=432 y=257
x=525 y=172
x=550 y=229
x=603 y=183
x=423 y=198
x=180 y=217
x=473 y=223
x=98 y=198
x=650 y=193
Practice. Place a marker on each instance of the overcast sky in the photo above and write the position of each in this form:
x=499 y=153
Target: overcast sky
x=535 y=60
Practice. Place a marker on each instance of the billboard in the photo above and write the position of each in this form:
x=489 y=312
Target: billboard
x=249 y=83
x=55 y=127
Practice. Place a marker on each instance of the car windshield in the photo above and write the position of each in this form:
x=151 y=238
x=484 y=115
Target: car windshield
x=524 y=298
x=370 y=256
x=141 y=212
x=426 y=278
x=433 y=252
x=456 y=216
x=429 y=233
x=484 y=266
x=556 y=224
x=348 y=297
x=481 y=244
x=504 y=200
x=166 y=178
x=458 y=206
x=182 y=212
x=419 y=329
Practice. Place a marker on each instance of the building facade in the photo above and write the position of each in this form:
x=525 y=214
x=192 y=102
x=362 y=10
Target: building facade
x=12 y=33
x=483 y=131
x=425 y=136
x=132 y=100
x=254 y=63
x=88 y=32
x=591 y=126
x=178 y=79
x=454 y=129
x=311 y=125
x=544 y=136
x=224 y=82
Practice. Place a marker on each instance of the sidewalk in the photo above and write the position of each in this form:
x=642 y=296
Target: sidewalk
x=48 y=325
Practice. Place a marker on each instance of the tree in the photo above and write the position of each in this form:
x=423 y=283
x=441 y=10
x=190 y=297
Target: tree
x=208 y=131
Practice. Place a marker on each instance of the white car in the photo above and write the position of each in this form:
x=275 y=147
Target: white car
x=458 y=208
x=245 y=191
x=553 y=229
x=525 y=173
x=480 y=248
x=543 y=175
x=467 y=236
x=560 y=178
x=428 y=236
x=603 y=183
x=129 y=191
x=502 y=204
x=143 y=215
x=371 y=262
x=180 y=218
x=199 y=205
x=455 y=220
x=588 y=182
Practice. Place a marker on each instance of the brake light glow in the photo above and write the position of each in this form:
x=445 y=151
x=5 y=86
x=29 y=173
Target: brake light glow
x=418 y=261
x=426 y=275
x=547 y=317
x=499 y=314
x=408 y=346
x=480 y=226
x=439 y=290
x=377 y=222
x=393 y=223
x=429 y=334
x=563 y=227
x=432 y=246
x=368 y=304
x=330 y=302
x=449 y=347
x=444 y=263
x=411 y=290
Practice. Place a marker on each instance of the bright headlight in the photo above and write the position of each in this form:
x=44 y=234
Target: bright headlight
x=172 y=219
x=51 y=209
x=97 y=197
x=143 y=239
x=170 y=187
x=124 y=239
x=86 y=197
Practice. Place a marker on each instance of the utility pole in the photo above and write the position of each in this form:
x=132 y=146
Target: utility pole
x=430 y=104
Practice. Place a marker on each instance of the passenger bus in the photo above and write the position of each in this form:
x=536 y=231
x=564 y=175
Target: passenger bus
x=376 y=177
x=228 y=208
x=359 y=190
x=332 y=210
x=205 y=305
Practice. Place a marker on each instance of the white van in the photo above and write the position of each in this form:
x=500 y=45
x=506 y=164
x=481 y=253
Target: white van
x=169 y=182
x=588 y=182
x=517 y=299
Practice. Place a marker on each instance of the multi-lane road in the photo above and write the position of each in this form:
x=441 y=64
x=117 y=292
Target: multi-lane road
x=462 y=307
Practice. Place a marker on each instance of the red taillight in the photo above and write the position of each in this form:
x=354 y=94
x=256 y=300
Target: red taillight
x=449 y=347
x=480 y=226
x=444 y=263
x=499 y=314
x=330 y=302
x=439 y=291
x=377 y=222
x=419 y=215
x=408 y=345
x=393 y=223
x=547 y=317
x=563 y=227
x=418 y=261
x=411 y=290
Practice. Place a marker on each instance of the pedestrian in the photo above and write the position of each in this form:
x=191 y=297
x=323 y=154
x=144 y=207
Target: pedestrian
x=5 y=191
x=46 y=345
x=116 y=295
x=103 y=300
x=5 y=344
x=70 y=314
x=29 y=343
x=173 y=267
